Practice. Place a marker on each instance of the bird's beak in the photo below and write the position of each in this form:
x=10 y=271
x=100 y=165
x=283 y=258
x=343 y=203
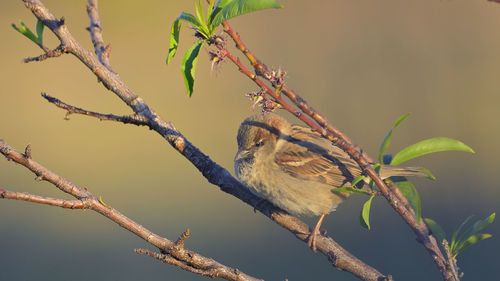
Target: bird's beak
x=242 y=154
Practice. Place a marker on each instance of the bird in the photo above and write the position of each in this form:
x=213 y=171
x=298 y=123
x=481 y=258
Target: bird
x=296 y=169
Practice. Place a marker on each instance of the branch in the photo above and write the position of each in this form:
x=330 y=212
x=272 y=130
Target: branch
x=48 y=54
x=127 y=119
x=190 y=260
x=339 y=139
x=102 y=51
x=214 y=173
x=24 y=196
x=212 y=273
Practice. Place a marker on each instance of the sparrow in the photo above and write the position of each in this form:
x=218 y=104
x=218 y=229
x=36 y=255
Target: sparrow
x=297 y=169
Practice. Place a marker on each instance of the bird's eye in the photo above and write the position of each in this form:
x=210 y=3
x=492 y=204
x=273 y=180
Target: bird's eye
x=259 y=143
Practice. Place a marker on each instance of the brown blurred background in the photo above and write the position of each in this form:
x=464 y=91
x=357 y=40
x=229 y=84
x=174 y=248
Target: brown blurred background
x=361 y=63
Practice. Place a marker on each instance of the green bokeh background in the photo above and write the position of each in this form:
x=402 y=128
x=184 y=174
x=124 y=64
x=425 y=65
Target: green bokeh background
x=361 y=63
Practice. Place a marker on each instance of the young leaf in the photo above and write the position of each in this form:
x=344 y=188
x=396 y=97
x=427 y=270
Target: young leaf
x=174 y=40
x=410 y=193
x=199 y=12
x=364 y=217
x=188 y=65
x=475 y=228
x=428 y=173
x=429 y=146
x=388 y=137
x=174 y=32
x=357 y=180
x=24 y=30
x=455 y=233
x=349 y=189
x=436 y=229
x=473 y=239
x=469 y=237
x=227 y=9
x=39 y=31
x=203 y=27
x=210 y=9
x=480 y=225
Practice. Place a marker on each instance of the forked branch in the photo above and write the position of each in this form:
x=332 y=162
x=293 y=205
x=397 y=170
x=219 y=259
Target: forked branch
x=176 y=253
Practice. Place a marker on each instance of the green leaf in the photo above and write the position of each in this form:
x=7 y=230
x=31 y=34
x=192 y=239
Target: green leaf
x=388 y=137
x=227 y=9
x=174 y=40
x=39 y=31
x=436 y=229
x=202 y=27
x=410 y=193
x=473 y=239
x=364 y=217
x=188 y=65
x=349 y=189
x=357 y=180
x=174 y=33
x=210 y=9
x=469 y=237
x=199 y=12
x=24 y=30
x=455 y=233
x=429 y=146
x=428 y=173
x=475 y=228
x=189 y=18
x=480 y=225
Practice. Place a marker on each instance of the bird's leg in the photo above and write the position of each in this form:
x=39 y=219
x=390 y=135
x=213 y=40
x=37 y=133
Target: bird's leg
x=311 y=242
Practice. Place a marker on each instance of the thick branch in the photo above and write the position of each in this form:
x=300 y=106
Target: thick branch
x=88 y=201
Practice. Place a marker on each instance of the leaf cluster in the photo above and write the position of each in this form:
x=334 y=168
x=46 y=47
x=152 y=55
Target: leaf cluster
x=204 y=25
x=462 y=239
x=404 y=185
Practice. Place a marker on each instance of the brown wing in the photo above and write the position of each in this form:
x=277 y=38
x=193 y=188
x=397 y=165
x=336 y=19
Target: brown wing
x=306 y=155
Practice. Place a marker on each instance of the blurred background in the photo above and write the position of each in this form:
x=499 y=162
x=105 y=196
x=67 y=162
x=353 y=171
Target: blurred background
x=361 y=63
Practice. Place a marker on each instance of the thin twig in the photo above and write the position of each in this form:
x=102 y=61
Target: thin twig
x=184 y=236
x=134 y=119
x=24 y=196
x=48 y=54
x=102 y=50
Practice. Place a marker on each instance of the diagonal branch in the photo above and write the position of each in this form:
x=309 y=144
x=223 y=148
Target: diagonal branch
x=214 y=173
x=190 y=260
